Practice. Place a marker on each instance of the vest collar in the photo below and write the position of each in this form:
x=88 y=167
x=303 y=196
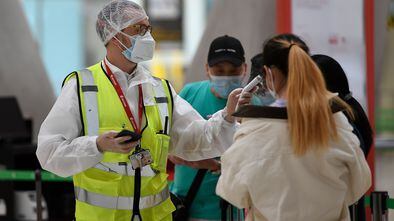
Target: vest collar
x=140 y=75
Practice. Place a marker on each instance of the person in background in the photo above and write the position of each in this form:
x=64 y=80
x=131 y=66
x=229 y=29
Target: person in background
x=261 y=96
x=337 y=82
x=297 y=159
x=226 y=71
x=257 y=65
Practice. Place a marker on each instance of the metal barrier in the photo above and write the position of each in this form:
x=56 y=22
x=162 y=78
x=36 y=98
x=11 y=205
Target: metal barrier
x=29 y=175
x=38 y=177
x=379 y=201
x=39 y=194
x=353 y=212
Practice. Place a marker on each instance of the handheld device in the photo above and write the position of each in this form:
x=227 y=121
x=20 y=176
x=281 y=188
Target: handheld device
x=252 y=84
x=134 y=136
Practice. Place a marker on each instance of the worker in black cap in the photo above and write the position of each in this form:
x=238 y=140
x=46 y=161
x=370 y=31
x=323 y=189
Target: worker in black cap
x=226 y=70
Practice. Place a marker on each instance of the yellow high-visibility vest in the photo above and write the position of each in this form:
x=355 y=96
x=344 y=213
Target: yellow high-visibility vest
x=105 y=191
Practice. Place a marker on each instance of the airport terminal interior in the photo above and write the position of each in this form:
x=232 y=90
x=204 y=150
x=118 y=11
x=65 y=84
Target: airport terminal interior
x=43 y=41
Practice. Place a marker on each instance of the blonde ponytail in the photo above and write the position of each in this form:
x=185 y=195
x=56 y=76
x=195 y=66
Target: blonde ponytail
x=311 y=121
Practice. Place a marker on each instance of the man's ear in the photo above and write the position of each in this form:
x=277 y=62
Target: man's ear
x=114 y=41
x=207 y=71
x=245 y=67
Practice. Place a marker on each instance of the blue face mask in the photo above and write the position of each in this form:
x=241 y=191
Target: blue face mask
x=263 y=100
x=223 y=85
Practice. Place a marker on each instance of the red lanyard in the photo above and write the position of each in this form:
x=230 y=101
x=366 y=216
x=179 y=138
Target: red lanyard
x=137 y=128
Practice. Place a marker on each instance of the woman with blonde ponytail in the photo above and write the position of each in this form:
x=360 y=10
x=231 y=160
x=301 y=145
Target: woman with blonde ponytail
x=296 y=159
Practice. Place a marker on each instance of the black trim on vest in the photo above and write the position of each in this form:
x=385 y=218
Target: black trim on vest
x=171 y=96
x=254 y=111
x=64 y=81
x=79 y=99
x=80 y=105
x=146 y=119
x=105 y=73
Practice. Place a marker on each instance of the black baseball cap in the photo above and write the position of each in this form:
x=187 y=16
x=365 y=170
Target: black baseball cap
x=226 y=48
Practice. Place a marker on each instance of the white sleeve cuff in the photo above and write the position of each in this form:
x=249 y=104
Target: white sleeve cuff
x=92 y=142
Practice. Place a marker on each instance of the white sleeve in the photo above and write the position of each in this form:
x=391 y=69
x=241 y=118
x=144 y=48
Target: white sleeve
x=233 y=183
x=359 y=175
x=194 y=138
x=61 y=149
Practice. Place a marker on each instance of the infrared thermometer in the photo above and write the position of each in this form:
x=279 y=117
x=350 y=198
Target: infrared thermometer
x=252 y=84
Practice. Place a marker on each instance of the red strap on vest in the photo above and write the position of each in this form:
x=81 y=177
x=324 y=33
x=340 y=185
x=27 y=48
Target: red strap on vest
x=137 y=128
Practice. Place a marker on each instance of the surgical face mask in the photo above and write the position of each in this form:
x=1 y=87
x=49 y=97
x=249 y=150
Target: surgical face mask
x=223 y=85
x=279 y=103
x=262 y=99
x=141 y=49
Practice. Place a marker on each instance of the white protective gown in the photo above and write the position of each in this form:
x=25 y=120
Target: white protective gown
x=63 y=151
x=261 y=173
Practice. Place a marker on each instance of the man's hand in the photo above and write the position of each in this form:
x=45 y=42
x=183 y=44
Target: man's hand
x=210 y=164
x=236 y=99
x=108 y=142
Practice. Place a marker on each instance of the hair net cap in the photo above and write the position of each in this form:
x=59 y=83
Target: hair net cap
x=117 y=15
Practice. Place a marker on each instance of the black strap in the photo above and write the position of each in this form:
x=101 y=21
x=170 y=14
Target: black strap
x=223 y=209
x=171 y=95
x=136 y=216
x=191 y=194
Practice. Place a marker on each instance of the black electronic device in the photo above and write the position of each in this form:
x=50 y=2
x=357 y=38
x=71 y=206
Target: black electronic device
x=134 y=136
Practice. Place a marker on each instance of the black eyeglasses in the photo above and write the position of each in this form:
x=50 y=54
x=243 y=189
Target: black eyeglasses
x=142 y=29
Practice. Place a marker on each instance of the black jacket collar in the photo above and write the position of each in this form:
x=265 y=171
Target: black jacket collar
x=253 y=111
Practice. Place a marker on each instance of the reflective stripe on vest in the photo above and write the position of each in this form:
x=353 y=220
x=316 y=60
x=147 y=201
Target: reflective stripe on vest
x=89 y=90
x=124 y=169
x=120 y=202
x=97 y=199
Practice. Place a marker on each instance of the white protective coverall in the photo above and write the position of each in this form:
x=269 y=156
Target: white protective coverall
x=63 y=151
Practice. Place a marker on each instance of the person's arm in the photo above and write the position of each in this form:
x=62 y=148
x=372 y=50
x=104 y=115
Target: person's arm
x=61 y=149
x=194 y=138
x=360 y=178
x=233 y=182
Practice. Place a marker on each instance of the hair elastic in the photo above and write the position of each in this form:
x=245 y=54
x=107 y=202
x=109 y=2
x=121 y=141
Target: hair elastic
x=291 y=45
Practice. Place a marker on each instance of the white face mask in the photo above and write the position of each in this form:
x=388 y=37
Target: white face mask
x=141 y=49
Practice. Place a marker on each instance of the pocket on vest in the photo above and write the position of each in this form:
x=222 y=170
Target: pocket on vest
x=161 y=152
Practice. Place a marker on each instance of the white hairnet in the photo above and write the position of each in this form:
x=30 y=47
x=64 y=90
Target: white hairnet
x=117 y=15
